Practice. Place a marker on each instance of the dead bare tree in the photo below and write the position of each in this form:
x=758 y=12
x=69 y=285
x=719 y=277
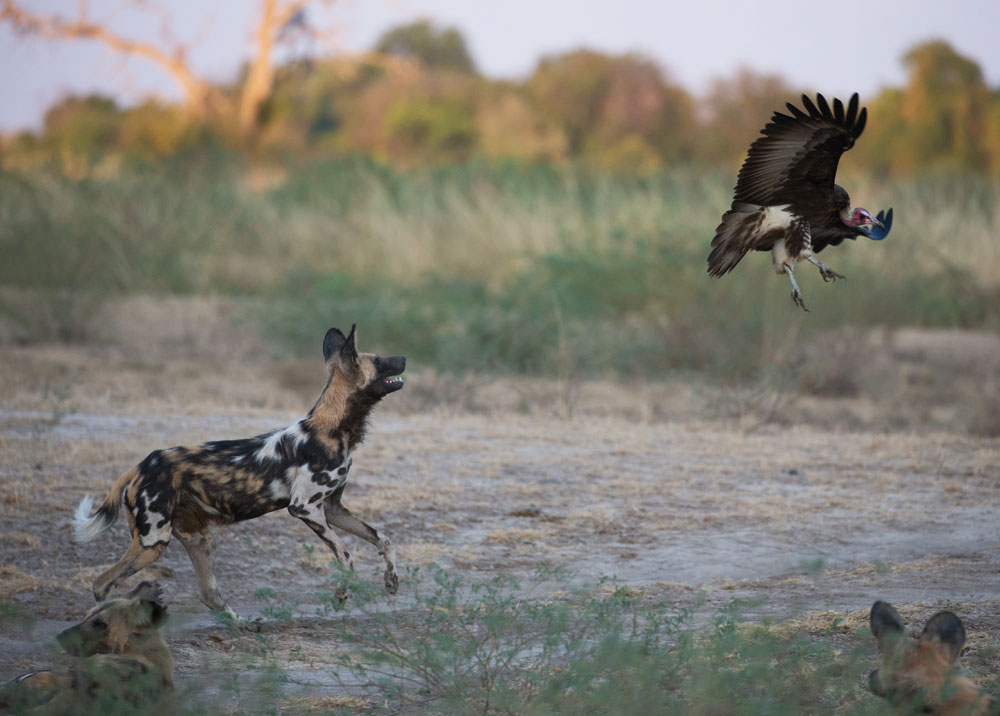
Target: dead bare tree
x=201 y=97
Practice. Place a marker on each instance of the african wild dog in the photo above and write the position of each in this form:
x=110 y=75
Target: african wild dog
x=920 y=675
x=123 y=662
x=304 y=467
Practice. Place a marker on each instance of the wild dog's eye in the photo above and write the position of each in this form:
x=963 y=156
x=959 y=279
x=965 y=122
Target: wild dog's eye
x=99 y=624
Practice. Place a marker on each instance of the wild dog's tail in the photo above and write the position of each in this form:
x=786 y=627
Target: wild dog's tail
x=86 y=526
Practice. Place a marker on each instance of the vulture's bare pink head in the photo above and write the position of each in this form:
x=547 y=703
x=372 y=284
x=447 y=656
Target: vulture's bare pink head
x=858 y=217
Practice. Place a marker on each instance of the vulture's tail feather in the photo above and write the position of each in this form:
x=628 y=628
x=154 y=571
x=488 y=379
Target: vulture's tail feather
x=732 y=239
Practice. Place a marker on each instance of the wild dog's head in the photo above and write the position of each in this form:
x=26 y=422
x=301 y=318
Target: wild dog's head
x=921 y=674
x=367 y=373
x=117 y=626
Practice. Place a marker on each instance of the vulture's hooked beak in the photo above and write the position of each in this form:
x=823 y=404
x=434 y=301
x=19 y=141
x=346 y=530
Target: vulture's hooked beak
x=863 y=216
x=881 y=224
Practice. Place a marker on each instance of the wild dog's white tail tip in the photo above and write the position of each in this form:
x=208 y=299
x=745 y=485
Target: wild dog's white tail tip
x=85 y=527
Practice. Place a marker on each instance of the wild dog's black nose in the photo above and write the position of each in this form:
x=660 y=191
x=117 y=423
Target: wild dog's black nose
x=395 y=364
x=71 y=640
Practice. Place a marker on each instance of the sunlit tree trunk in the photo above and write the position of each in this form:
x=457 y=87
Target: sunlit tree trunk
x=275 y=16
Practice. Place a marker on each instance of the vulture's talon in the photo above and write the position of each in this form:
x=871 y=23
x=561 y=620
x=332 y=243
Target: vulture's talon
x=797 y=297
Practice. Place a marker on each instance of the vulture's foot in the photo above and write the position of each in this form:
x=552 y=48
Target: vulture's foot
x=796 y=291
x=825 y=271
x=829 y=274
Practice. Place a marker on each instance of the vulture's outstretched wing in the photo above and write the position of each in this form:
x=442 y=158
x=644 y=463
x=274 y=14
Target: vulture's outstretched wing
x=798 y=154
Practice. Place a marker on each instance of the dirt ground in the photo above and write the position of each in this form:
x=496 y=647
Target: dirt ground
x=809 y=505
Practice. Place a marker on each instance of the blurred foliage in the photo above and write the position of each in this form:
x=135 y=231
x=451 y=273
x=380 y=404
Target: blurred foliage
x=416 y=100
x=496 y=267
x=432 y=47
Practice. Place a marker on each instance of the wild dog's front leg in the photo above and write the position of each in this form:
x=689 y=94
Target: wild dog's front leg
x=342 y=518
x=313 y=516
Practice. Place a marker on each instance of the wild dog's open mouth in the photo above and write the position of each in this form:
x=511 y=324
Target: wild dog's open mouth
x=389 y=373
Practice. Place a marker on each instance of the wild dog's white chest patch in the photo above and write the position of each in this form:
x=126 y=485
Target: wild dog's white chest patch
x=279 y=489
x=309 y=486
x=333 y=478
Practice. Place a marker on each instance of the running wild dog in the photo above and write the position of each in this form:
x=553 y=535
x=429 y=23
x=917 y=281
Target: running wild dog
x=123 y=663
x=183 y=490
x=920 y=675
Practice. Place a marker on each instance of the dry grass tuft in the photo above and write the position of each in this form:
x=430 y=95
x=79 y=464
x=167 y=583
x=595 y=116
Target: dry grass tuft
x=323 y=704
x=22 y=538
x=516 y=535
x=14 y=580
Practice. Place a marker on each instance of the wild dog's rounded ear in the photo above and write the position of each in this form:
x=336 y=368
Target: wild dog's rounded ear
x=349 y=351
x=150 y=591
x=157 y=612
x=332 y=343
x=150 y=597
x=887 y=625
x=945 y=630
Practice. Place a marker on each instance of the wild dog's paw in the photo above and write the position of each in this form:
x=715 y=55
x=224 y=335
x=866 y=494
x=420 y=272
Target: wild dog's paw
x=391 y=581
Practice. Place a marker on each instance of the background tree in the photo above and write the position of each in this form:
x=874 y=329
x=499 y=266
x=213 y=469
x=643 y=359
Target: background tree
x=734 y=111
x=201 y=97
x=568 y=91
x=620 y=111
x=643 y=120
x=431 y=46
x=945 y=106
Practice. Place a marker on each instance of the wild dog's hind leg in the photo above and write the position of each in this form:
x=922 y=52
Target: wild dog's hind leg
x=342 y=518
x=137 y=557
x=150 y=501
x=199 y=548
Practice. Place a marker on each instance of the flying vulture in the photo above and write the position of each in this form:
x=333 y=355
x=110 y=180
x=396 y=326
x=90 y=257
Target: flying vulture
x=785 y=200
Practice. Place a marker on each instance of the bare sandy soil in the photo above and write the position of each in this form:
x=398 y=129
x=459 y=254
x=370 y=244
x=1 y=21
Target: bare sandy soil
x=809 y=506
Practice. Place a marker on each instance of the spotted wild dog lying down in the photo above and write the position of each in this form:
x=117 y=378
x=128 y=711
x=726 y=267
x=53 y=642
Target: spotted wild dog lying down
x=183 y=490
x=122 y=662
x=920 y=675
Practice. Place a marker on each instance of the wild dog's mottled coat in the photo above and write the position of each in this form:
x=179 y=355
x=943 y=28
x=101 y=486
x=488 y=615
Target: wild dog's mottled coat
x=181 y=491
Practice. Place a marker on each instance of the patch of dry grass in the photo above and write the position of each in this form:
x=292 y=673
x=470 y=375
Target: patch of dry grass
x=22 y=538
x=14 y=580
x=519 y=536
x=324 y=704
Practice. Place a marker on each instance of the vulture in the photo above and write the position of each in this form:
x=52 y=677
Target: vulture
x=786 y=201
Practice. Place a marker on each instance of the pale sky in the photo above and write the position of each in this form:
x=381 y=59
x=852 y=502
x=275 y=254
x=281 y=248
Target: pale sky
x=835 y=47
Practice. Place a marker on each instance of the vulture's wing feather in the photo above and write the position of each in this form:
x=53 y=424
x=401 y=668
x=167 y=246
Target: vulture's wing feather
x=798 y=153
